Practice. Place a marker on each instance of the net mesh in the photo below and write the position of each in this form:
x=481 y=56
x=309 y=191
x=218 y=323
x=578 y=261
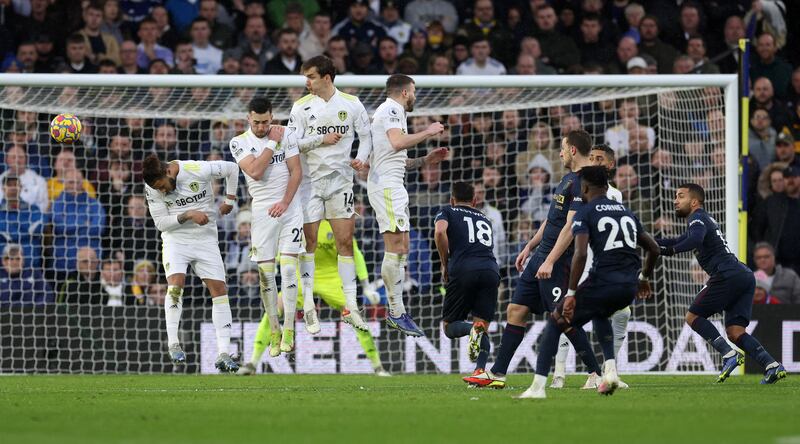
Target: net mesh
x=89 y=294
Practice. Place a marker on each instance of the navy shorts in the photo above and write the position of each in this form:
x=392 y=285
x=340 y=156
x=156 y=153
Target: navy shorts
x=541 y=295
x=730 y=293
x=601 y=300
x=471 y=292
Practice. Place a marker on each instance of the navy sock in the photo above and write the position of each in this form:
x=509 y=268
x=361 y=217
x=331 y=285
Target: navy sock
x=512 y=337
x=547 y=348
x=483 y=356
x=457 y=329
x=580 y=342
x=707 y=330
x=605 y=336
x=752 y=347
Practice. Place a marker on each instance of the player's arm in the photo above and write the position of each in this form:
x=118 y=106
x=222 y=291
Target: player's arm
x=255 y=166
x=168 y=222
x=652 y=250
x=400 y=141
x=230 y=171
x=295 y=177
x=526 y=251
x=432 y=158
x=578 y=265
x=691 y=240
x=562 y=243
x=364 y=131
x=442 y=245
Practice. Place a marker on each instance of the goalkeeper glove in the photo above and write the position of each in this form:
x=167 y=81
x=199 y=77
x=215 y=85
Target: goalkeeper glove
x=369 y=291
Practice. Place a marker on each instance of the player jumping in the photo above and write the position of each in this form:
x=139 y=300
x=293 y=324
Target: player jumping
x=386 y=191
x=613 y=232
x=729 y=289
x=328 y=286
x=270 y=159
x=325 y=123
x=465 y=234
x=180 y=195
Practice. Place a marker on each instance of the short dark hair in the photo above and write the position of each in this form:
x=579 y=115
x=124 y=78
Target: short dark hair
x=285 y=31
x=595 y=176
x=10 y=178
x=107 y=62
x=478 y=39
x=388 y=38
x=592 y=16
x=75 y=39
x=581 y=140
x=96 y=5
x=695 y=191
x=200 y=20
x=463 y=191
x=323 y=64
x=606 y=149
x=153 y=169
x=396 y=82
x=259 y=105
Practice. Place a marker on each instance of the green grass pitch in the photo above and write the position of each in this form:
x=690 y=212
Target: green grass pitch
x=406 y=408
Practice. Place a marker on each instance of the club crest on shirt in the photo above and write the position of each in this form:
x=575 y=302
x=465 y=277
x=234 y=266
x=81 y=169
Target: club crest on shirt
x=329 y=236
x=342 y=115
x=194 y=186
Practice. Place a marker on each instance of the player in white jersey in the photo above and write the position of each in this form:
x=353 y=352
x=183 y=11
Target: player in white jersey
x=600 y=155
x=387 y=194
x=180 y=196
x=326 y=122
x=270 y=159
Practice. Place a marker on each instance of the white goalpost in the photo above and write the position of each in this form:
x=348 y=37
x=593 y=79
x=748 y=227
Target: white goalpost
x=503 y=132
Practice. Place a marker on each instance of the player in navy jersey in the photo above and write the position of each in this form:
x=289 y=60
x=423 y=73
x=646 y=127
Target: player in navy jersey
x=613 y=232
x=729 y=289
x=544 y=279
x=463 y=237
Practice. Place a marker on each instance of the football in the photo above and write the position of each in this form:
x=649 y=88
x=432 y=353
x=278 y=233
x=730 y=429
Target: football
x=66 y=128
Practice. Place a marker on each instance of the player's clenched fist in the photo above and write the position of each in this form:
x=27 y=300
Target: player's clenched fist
x=198 y=217
x=276 y=133
x=331 y=138
x=435 y=128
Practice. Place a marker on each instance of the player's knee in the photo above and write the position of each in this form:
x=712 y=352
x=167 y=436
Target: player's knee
x=516 y=313
x=345 y=248
x=734 y=332
x=216 y=288
x=690 y=317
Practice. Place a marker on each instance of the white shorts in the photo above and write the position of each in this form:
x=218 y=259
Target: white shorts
x=328 y=198
x=271 y=235
x=205 y=259
x=391 y=207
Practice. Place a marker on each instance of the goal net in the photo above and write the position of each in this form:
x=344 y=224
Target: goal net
x=87 y=294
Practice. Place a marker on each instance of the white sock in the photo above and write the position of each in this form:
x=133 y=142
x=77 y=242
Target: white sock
x=307 y=280
x=269 y=293
x=392 y=273
x=539 y=382
x=619 y=325
x=289 y=287
x=561 y=356
x=347 y=271
x=173 y=307
x=222 y=319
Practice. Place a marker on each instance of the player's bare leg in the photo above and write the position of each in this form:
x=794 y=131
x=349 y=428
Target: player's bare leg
x=307 y=267
x=393 y=272
x=343 y=233
x=222 y=319
x=173 y=308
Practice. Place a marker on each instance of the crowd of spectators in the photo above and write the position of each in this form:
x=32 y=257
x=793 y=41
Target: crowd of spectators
x=74 y=224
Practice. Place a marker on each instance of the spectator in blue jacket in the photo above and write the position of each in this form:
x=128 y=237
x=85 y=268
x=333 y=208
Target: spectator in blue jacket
x=78 y=221
x=20 y=223
x=21 y=285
